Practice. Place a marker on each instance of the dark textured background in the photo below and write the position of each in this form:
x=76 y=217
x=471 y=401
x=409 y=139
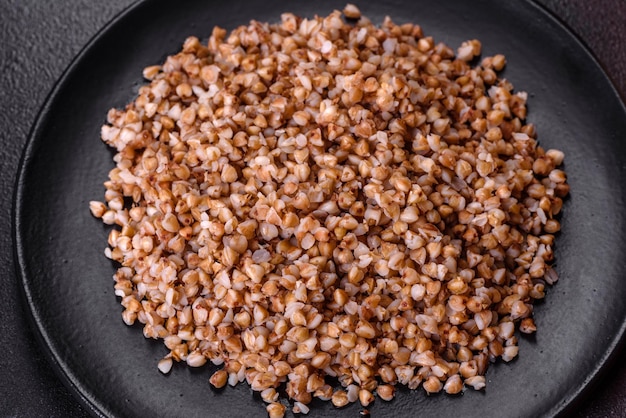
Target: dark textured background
x=39 y=39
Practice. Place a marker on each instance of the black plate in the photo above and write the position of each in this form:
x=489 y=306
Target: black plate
x=112 y=368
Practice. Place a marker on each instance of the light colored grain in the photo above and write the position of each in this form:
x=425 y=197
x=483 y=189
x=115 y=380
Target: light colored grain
x=340 y=398
x=219 y=379
x=351 y=11
x=276 y=410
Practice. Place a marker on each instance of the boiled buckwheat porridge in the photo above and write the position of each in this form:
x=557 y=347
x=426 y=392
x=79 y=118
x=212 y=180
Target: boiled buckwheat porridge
x=331 y=206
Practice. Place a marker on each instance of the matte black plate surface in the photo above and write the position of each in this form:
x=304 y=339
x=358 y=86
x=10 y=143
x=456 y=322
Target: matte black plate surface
x=112 y=368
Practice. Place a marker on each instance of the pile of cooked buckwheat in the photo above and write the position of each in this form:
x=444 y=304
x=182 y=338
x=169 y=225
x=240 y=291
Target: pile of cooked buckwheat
x=326 y=198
